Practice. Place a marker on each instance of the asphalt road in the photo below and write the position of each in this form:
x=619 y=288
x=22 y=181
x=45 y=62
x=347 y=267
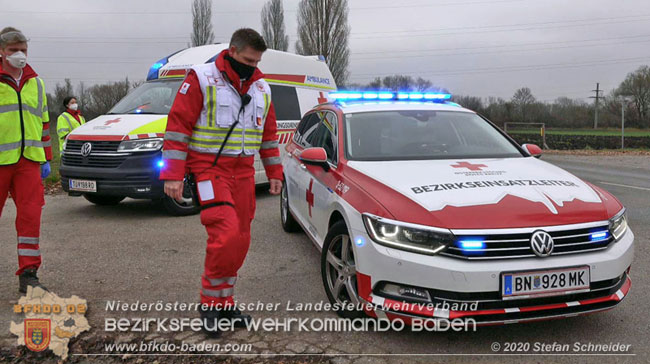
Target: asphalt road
x=135 y=252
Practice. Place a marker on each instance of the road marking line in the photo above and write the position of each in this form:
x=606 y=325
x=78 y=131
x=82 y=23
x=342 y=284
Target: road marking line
x=616 y=184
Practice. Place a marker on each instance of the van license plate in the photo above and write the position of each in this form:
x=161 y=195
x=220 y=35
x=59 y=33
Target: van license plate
x=83 y=185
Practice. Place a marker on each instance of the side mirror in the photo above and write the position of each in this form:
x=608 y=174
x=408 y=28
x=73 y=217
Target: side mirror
x=315 y=156
x=533 y=150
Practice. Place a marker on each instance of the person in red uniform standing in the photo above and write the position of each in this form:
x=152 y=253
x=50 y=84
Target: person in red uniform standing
x=25 y=149
x=221 y=118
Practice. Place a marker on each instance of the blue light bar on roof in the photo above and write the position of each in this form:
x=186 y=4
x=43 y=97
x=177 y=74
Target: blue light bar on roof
x=153 y=71
x=384 y=95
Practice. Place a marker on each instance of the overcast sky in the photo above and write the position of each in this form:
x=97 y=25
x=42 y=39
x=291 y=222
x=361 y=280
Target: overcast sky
x=472 y=47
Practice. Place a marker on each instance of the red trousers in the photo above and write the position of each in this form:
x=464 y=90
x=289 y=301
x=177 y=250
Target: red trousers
x=227 y=196
x=23 y=181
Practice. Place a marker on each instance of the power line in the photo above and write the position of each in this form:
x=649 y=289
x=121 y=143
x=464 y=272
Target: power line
x=118 y=42
x=389 y=6
x=510 y=25
x=506 y=45
x=502 y=51
x=31 y=12
x=487 y=29
x=513 y=68
x=94 y=38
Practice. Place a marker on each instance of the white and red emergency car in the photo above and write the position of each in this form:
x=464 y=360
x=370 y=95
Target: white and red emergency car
x=424 y=209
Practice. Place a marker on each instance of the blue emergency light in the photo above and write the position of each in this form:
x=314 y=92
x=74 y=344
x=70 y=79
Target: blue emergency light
x=599 y=236
x=160 y=163
x=471 y=245
x=153 y=71
x=385 y=96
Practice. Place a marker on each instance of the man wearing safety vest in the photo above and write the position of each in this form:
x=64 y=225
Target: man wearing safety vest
x=25 y=149
x=223 y=106
x=69 y=120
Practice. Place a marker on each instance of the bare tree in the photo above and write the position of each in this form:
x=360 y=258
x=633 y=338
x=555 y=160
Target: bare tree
x=273 y=29
x=523 y=99
x=323 y=30
x=103 y=97
x=55 y=104
x=637 y=85
x=202 y=33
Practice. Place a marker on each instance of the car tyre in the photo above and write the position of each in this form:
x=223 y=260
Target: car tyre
x=338 y=271
x=289 y=223
x=103 y=200
x=181 y=208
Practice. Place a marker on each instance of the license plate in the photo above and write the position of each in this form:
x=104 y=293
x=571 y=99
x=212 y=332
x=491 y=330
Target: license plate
x=83 y=185
x=544 y=282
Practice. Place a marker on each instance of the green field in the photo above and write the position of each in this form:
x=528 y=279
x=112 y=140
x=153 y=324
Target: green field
x=596 y=132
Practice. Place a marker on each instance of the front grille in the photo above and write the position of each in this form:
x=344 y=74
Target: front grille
x=103 y=154
x=74 y=146
x=508 y=246
x=93 y=160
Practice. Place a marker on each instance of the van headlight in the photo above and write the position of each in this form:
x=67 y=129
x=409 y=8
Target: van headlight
x=618 y=225
x=405 y=236
x=141 y=145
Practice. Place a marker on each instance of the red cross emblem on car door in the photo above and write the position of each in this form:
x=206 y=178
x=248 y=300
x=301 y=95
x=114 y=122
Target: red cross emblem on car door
x=310 y=196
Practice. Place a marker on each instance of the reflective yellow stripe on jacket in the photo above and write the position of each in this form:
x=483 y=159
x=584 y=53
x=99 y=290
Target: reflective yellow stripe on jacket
x=31 y=105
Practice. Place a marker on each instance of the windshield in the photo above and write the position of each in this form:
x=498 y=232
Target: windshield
x=149 y=98
x=423 y=134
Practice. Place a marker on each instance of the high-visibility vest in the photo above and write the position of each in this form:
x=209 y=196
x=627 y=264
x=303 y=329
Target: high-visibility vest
x=221 y=108
x=65 y=124
x=22 y=115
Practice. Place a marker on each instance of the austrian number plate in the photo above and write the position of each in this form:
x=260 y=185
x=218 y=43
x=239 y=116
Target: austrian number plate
x=83 y=185
x=544 y=282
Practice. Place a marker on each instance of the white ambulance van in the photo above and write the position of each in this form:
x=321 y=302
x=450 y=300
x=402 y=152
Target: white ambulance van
x=118 y=155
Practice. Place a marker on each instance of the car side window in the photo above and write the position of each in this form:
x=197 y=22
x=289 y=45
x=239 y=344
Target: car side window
x=324 y=136
x=305 y=128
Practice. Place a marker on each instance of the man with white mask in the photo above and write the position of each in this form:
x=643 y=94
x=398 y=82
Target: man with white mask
x=25 y=149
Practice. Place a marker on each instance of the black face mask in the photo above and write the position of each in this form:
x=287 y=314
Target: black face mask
x=243 y=70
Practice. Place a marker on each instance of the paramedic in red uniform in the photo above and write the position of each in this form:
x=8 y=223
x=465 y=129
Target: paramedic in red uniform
x=25 y=149
x=223 y=105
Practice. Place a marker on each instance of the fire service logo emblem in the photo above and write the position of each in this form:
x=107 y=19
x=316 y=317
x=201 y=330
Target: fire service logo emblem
x=37 y=334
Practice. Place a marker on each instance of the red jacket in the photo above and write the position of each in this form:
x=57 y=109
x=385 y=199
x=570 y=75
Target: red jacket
x=28 y=73
x=185 y=113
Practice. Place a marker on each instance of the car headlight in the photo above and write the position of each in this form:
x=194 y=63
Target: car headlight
x=618 y=225
x=405 y=236
x=140 y=145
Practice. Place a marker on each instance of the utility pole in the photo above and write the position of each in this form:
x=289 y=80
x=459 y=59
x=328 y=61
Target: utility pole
x=597 y=97
x=622 y=124
x=623 y=104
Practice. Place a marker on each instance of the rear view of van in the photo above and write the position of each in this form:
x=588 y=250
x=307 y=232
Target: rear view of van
x=118 y=155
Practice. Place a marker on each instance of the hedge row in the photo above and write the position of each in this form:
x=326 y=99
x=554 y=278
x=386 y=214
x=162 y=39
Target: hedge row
x=567 y=142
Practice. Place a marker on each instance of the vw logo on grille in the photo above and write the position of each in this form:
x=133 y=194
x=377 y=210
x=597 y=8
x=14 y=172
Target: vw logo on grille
x=542 y=243
x=86 y=148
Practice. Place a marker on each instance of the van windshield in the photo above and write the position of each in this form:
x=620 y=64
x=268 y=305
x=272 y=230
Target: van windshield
x=155 y=97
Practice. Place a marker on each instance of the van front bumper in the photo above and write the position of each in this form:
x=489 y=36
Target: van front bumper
x=134 y=175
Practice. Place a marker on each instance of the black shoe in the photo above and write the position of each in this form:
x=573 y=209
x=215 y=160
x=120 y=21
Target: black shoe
x=240 y=319
x=28 y=278
x=210 y=318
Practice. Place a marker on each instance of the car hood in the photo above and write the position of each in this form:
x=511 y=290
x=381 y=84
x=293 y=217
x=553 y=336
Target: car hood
x=486 y=193
x=122 y=125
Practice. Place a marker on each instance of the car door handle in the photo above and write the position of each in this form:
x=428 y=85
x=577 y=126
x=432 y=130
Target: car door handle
x=303 y=166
